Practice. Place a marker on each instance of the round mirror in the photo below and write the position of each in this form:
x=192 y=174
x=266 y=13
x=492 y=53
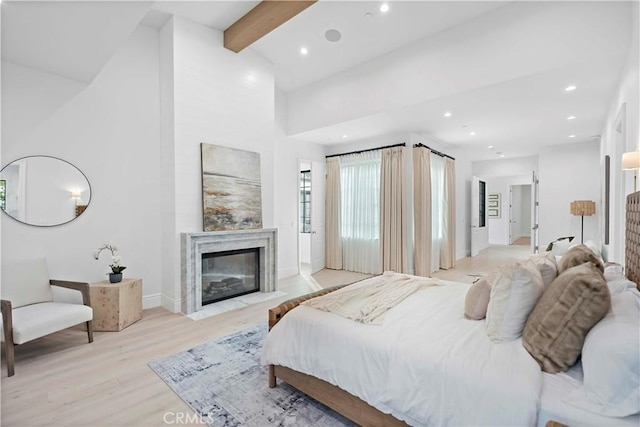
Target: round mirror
x=43 y=191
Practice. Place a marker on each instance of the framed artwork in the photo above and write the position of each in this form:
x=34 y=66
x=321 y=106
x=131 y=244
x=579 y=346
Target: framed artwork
x=231 y=188
x=493 y=210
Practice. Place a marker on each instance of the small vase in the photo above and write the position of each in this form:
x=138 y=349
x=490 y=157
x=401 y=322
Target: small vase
x=115 y=277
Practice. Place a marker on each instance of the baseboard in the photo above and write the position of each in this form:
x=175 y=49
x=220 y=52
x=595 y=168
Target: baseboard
x=150 y=301
x=173 y=305
x=287 y=272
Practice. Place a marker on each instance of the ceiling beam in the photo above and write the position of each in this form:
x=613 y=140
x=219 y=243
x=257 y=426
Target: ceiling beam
x=261 y=20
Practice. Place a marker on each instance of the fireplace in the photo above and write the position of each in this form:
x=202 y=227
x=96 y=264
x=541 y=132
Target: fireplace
x=230 y=274
x=194 y=249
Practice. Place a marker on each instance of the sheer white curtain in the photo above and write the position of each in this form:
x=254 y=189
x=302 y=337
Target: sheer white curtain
x=438 y=211
x=360 y=207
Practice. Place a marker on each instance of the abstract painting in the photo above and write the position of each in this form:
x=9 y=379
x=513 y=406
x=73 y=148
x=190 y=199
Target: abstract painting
x=231 y=190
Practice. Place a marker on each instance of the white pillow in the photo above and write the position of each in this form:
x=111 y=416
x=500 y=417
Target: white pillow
x=611 y=361
x=546 y=263
x=559 y=247
x=616 y=280
x=515 y=292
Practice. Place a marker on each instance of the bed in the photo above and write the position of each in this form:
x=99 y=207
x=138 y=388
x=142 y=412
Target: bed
x=427 y=365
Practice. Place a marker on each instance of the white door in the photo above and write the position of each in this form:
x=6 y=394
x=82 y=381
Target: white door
x=318 y=182
x=479 y=232
x=534 y=213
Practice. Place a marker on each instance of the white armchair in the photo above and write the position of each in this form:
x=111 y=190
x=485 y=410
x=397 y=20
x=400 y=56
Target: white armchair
x=28 y=307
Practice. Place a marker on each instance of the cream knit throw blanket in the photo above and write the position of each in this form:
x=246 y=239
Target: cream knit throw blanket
x=367 y=302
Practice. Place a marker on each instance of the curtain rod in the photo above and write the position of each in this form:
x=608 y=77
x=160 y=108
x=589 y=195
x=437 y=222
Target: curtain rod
x=433 y=151
x=369 y=149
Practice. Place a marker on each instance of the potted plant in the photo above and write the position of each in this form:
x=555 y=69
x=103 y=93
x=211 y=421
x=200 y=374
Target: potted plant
x=116 y=269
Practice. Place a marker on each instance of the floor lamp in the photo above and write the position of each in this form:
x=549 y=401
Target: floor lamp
x=631 y=161
x=582 y=208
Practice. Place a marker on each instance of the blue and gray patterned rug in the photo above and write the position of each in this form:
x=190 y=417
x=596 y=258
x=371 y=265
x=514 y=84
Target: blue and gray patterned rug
x=224 y=383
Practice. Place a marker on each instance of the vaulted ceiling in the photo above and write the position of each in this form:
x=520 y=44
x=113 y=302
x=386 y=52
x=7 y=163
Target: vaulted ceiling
x=499 y=68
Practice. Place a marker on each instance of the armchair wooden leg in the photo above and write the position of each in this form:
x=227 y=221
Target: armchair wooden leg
x=90 y=330
x=8 y=347
x=7 y=324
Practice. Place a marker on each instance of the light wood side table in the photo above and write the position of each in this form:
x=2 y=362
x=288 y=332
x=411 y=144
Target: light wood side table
x=116 y=305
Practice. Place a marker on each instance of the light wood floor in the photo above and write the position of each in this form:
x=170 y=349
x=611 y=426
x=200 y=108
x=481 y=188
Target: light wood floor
x=61 y=380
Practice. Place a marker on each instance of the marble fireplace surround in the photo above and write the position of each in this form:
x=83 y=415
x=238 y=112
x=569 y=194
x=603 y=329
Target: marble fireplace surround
x=193 y=245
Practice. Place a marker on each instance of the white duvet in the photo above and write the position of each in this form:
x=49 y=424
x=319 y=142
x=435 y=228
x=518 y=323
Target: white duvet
x=426 y=364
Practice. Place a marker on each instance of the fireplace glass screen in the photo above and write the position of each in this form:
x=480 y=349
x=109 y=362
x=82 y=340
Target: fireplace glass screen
x=230 y=274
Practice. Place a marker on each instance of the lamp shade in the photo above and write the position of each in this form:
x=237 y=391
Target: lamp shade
x=583 y=207
x=631 y=160
x=76 y=194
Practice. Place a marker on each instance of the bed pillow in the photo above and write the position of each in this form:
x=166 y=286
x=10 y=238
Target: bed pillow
x=546 y=263
x=616 y=280
x=556 y=328
x=577 y=255
x=514 y=293
x=611 y=360
x=560 y=246
x=477 y=299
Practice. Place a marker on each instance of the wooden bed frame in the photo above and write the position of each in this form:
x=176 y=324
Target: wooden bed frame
x=364 y=414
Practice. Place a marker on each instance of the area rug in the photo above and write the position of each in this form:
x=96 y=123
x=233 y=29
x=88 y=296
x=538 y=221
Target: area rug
x=224 y=383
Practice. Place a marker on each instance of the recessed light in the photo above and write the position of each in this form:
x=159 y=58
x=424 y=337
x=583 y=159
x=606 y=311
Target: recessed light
x=502 y=155
x=570 y=88
x=384 y=8
x=490 y=147
x=572 y=136
x=447 y=114
x=472 y=133
x=571 y=117
x=332 y=35
x=304 y=50
x=251 y=77
x=345 y=136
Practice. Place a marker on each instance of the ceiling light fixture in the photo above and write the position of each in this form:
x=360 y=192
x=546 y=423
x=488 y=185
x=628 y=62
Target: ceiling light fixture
x=571 y=117
x=304 y=50
x=333 y=35
x=384 y=8
x=502 y=155
x=472 y=133
x=345 y=136
x=572 y=136
x=447 y=114
x=570 y=88
x=490 y=147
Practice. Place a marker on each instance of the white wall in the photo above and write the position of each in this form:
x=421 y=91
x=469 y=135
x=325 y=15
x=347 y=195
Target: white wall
x=110 y=131
x=219 y=97
x=625 y=103
x=288 y=151
x=568 y=172
x=505 y=167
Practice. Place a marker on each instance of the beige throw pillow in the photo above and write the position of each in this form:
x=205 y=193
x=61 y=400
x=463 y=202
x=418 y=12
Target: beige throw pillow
x=577 y=255
x=477 y=299
x=571 y=305
x=514 y=293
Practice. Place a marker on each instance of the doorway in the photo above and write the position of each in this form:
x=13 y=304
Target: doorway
x=520 y=221
x=311 y=195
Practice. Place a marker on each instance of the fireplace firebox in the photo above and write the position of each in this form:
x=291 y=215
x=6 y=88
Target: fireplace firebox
x=230 y=274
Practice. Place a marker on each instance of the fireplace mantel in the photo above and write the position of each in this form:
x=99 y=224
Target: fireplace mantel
x=193 y=245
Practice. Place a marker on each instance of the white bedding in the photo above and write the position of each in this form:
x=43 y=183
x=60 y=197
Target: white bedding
x=557 y=392
x=426 y=364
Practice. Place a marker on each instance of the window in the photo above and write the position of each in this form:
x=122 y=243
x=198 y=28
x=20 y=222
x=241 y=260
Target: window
x=305 y=201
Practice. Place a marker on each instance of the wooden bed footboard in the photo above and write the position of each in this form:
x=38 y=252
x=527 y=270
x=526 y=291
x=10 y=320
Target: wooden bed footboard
x=276 y=313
